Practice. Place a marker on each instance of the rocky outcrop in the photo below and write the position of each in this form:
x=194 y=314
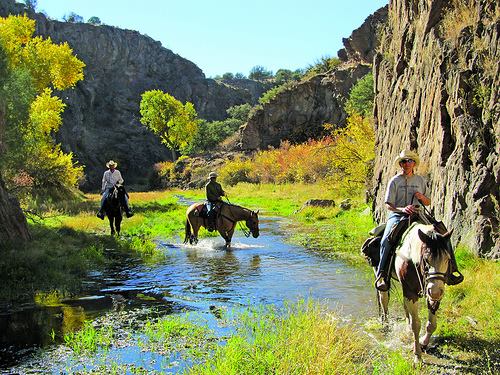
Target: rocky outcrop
x=436 y=80
x=101 y=120
x=363 y=42
x=299 y=112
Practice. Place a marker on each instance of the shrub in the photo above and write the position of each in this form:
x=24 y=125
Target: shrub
x=237 y=170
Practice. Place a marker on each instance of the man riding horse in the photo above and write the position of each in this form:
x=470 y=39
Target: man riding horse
x=403 y=193
x=111 y=178
x=214 y=193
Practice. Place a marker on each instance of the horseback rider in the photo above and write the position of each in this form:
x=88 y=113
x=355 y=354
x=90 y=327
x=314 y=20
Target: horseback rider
x=214 y=193
x=403 y=193
x=111 y=178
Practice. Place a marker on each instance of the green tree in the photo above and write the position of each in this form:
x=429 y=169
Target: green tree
x=228 y=76
x=239 y=76
x=323 y=65
x=361 y=97
x=31 y=4
x=73 y=18
x=176 y=124
x=239 y=112
x=94 y=21
x=259 y=73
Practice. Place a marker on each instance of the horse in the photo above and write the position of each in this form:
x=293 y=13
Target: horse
x=113 y=209
x=227 y=217
x=421 y=266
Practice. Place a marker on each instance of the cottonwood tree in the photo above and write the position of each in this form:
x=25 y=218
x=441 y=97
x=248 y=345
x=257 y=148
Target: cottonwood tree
x=33 y=164
x=176 y=124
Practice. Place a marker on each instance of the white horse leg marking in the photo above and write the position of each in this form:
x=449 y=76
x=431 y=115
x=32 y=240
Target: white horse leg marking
x=384 y=304
x=430 y=327
x=412 y=308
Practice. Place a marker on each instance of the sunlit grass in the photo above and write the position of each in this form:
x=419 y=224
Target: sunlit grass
x=89 y=339
x=176 y=333
x=301 y=339
x=474 y=305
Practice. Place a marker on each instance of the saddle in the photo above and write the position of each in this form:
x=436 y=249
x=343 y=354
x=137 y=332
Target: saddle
x=371 y=247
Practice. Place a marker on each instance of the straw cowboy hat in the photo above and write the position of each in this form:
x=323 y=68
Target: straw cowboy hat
x=405 y=154
x=212 y=175
x=111 y=164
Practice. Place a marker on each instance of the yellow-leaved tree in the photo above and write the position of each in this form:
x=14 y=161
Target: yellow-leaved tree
x=176 y=124
x=33 y=164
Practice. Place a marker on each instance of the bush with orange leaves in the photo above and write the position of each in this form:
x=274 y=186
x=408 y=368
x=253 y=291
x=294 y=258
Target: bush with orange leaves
x=344 y=159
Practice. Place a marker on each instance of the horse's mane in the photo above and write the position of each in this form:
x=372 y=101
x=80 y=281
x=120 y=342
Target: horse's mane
x=436 y=243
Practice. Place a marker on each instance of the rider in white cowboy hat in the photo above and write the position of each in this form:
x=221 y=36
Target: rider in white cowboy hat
x=214 y=193
x=111 y=178
x=404 y=192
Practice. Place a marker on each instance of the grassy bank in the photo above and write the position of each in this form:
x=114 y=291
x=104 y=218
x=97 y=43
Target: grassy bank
x=70 y=242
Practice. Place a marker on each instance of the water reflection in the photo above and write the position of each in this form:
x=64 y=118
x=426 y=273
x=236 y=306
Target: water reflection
x=205 y=278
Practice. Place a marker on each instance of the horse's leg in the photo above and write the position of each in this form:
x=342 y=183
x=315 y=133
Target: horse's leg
x=110 y=218
x=228 y=237
x=118 y=222
x=430 y=327
x=412 y=309
x=383 y=300
x=195 y=224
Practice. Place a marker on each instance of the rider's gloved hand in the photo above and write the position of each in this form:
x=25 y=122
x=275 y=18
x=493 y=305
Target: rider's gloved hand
x=410 y=209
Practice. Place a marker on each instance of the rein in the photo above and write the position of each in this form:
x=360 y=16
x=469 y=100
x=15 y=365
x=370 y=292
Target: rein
x=245 y=231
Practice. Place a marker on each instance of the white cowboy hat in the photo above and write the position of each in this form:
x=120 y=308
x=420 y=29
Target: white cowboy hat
x=111 y=163
x=212 y=175
x=406 y=154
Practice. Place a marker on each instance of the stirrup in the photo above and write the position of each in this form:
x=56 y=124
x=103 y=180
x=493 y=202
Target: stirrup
x=381 y=284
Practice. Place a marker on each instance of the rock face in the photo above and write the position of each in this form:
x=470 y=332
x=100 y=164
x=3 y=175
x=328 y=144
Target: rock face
x=436 y=81
x=298 y=113
x=101 y=120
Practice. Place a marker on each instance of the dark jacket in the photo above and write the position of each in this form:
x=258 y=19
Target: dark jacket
x=214 y=191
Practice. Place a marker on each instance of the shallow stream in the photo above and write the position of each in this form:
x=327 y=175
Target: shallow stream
x=205 y=279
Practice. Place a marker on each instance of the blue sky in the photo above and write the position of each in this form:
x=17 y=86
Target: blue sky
x=232 y=35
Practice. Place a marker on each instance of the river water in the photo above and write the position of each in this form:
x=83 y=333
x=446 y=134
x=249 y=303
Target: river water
x=205 y=278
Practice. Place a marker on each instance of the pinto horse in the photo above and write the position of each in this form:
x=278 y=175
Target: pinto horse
x=421 y=266
x=227 y=217
x=113 y=209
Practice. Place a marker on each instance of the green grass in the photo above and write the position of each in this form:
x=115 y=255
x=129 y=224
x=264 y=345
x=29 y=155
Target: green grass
x=301 y=339
x=89 y=339
x=175 y=333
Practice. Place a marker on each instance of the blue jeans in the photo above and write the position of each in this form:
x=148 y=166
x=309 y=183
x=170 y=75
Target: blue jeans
x=385 y=245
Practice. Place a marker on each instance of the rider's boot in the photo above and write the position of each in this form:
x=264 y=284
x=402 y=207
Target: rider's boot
x=452 y=269
x=382 y=281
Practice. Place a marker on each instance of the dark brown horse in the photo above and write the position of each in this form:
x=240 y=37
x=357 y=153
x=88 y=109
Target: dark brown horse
x=113 y=209
x=227 y=217
x=421 y=266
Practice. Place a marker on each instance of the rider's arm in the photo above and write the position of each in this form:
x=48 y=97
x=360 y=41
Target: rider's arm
x=103 y=187
x=422 y=198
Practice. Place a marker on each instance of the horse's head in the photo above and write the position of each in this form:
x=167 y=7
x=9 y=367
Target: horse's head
x=252 y=223
x=436 y=250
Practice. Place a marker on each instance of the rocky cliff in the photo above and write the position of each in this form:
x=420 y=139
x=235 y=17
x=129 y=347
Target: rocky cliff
x=298 y=113
x=437 y=92
x=101 y=120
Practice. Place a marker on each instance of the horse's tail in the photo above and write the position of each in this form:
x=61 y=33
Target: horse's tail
x=187 y=231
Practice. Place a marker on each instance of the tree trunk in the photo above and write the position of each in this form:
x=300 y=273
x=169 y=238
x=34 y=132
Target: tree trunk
x=13 y=225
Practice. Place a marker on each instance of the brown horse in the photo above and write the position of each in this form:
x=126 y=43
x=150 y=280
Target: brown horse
x=227 y=217
x=421 y=266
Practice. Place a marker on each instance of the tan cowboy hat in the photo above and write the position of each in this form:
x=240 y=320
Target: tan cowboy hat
x=212 y=175
x=111 y=163
x=406 y=154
